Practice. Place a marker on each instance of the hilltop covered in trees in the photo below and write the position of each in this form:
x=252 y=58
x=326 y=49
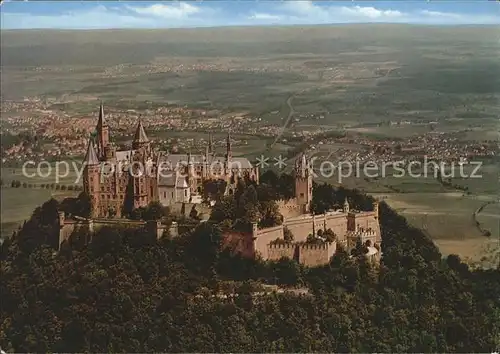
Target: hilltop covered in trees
x=125 y=292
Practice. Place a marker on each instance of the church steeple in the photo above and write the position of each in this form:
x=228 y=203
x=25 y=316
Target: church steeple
x=102 y=133
x=140 y=137
x=100 y=122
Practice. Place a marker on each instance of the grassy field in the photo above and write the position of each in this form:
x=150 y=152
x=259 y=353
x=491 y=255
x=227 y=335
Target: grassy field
x=44 y=175
x=18 y=205
x=448 y=219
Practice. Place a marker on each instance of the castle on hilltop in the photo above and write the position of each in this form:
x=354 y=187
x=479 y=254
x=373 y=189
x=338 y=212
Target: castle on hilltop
x=119 y=181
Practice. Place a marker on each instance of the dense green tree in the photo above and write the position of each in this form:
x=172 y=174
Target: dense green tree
x=287 y=234
x=79 y=206
x=214 y=189
x=127 y=292
x=193 y=214
x=155 y=211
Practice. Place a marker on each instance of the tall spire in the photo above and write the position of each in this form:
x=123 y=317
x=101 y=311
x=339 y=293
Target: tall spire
x=228 y=146
x=91 y=156
x=210 y=143
x=140 y=136
x=100 y=122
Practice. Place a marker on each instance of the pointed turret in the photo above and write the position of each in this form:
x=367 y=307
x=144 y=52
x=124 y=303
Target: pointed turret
x=100 y=122
x=346 y=206
x=229 y=153
x=91 y=156
x=140 y=137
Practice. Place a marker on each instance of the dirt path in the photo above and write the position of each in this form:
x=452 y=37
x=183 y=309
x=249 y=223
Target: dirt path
x=288 y=119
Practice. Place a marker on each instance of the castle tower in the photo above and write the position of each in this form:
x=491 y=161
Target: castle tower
x=346 y=206
x=303 y=183
x=229 y=155
x=206 y=165
x=91 y=178
x=229 y=152
x=102 y=133
x=191 y=174
x=140 y=190
x=140 y=138
x=376 y=209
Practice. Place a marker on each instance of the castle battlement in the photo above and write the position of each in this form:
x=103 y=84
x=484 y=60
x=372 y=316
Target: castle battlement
x=347 y=226
x=281 y=245
x=287 y=202
x=362 y=232
x=314 y=247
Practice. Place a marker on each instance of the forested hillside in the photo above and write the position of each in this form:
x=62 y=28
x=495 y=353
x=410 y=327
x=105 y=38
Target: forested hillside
x=127 y=293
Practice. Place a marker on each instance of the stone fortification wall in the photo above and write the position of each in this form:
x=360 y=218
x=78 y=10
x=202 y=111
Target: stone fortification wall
x=277 y=251
x=263 y=237
x=289 y=208
x=67 y=227
x=312 y=255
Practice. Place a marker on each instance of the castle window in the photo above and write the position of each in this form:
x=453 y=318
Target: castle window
x=172 y=195
x=185 y=192
x=302 y=195
x=91 y=179
x=164 y=194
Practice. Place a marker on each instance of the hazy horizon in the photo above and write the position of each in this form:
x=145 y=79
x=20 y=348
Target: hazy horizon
x=190 y=14
x=365 y=24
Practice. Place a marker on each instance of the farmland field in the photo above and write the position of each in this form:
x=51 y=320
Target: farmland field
x=18 y=205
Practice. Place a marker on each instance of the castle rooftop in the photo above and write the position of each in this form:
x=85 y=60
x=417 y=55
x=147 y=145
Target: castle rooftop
x=91 y=156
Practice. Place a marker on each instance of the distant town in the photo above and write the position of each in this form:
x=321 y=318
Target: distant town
x=45 y=133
